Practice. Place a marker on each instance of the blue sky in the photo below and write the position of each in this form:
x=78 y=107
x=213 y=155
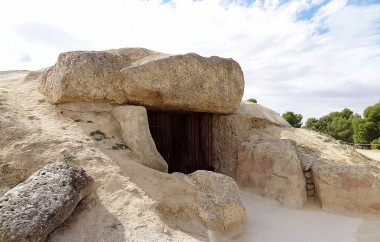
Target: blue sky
x=309 y=56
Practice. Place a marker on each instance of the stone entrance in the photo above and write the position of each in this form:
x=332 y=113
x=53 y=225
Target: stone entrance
x=184 y=139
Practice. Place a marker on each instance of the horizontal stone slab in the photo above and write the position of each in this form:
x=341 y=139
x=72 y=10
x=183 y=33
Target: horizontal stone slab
x=139 y=76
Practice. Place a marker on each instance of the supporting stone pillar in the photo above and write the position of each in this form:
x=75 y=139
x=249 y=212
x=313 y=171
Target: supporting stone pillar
x=135 y=132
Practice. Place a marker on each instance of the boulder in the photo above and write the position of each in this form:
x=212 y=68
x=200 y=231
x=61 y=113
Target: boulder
x=230 y=131
x=136 y=135
x=349 y=187
x=138 y=76
x=273 y=169
x=35 y=207
x=219 y=203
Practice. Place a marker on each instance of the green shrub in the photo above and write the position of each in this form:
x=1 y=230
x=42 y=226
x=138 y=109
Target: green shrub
x=375 y=144
x=68 y=157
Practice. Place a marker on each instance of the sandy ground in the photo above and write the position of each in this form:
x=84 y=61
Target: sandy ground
x=373 y=154
x=268 y=221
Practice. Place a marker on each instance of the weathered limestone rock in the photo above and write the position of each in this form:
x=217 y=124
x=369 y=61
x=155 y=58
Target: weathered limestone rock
x=135 y=132
x=35 y=207
x=219 y=203
x=139 y=76
x=229 y=131
x=352 y=187
x=273 y=169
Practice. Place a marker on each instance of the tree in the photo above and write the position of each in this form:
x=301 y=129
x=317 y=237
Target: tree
x=252 y=100
x=375 y=144
x=293 y=119
x=373 y=112
x=312 y=124
x=349 y=127
x=341 y=129
x=365 y=131
x=336 y=124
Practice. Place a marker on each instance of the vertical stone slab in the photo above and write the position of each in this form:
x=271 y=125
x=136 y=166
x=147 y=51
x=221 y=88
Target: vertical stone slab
x=273 y=169
x=135 y=132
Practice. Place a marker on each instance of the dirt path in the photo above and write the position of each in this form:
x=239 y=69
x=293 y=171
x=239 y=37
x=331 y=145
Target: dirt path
x=270 y=222
x=373 y=154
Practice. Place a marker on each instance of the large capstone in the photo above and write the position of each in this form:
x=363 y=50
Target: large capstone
x=138 y=76
x=35 y=207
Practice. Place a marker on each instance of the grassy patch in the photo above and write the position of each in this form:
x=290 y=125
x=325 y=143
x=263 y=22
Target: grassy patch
x=68 y=157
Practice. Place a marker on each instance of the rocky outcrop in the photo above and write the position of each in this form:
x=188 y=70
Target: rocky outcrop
x=336 y=174
x=139 y=76
x=230 y=131
x=34 y=208
x=135 y=132
x=343 y=178
x=272 y=169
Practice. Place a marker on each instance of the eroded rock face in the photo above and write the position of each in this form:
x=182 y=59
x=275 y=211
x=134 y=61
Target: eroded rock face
x=139 y=76
x=35 y=207
x=135 y=132
x=273 y=169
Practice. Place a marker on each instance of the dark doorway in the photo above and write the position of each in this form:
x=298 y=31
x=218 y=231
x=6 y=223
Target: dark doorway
x=183 y=139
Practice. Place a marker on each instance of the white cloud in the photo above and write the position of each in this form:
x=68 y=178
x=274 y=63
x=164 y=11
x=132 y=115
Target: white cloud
x=326 y=61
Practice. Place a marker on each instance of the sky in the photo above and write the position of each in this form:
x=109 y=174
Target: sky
x=309 y=56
